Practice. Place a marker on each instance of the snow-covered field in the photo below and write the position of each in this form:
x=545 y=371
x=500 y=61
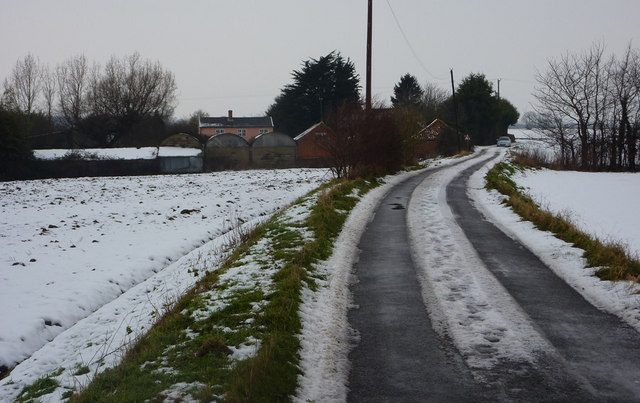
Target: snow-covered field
x=143 y=153
x=600 y=203
x=105 y=253
x=621 y=298
x=72 y=246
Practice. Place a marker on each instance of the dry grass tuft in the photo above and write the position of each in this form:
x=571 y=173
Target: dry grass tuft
x=614 y=261
x=213 y=346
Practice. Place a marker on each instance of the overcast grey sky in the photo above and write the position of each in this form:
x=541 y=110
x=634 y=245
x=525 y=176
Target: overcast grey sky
x=238 y=54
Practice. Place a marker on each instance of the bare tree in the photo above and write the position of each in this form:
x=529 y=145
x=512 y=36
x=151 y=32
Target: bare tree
x=49 y=90
x=73 y=85
x=529 y=119
x=22 y=87
x=625 y=89
x=571 y=90
x=634 y=135
x=593 y=104
x=433 y=99
x=131 y=89
x=363 y=142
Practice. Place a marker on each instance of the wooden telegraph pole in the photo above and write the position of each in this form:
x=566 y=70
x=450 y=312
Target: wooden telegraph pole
x=455 y=111
x=368 y=79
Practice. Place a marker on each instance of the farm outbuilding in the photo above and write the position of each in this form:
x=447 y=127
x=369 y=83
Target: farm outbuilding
x=313 y=146
x=73 y=163
x=180 y=153
x=227 y=151
x=273 y=150
x=180 y=160
x=436 y=138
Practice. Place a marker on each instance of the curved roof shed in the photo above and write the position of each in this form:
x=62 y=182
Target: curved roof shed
x=227 y=151
x=183 y=140
x=273 y=150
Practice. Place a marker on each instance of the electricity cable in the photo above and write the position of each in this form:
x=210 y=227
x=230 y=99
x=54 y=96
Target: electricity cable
x=409 y=44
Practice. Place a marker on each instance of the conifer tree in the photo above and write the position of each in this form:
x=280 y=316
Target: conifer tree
x=407 y=92
x=320 y=87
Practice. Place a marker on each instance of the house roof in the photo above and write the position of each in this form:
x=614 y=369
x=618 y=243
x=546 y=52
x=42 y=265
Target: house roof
x=226 y=140
x=434 y=128
x=309 y=130
x=224 y=122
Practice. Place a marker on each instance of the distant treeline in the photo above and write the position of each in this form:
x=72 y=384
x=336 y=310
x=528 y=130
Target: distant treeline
x=589 y=105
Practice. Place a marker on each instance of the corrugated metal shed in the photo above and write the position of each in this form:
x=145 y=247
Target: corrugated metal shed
x=273 y=150
x=177 y=160
x=227 y=151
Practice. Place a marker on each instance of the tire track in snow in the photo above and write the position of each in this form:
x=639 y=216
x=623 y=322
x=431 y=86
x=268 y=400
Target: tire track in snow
x=595 y=354
x=464 y=300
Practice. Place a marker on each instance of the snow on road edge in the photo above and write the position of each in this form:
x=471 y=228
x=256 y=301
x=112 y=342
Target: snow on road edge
x=621 y=298
x=326 y=337
x=466 y=303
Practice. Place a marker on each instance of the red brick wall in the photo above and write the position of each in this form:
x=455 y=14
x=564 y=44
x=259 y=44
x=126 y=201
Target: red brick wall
x=310 y=146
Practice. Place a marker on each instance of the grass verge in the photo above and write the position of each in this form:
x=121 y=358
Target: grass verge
x=41 y=387
x=234 y=336
x=611 y=259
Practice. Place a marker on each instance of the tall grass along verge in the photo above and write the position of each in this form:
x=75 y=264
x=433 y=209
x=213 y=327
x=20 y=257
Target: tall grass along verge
x=611 y=259
x=234 y=336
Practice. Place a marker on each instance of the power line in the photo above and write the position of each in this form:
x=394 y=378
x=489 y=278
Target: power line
x=409 y=44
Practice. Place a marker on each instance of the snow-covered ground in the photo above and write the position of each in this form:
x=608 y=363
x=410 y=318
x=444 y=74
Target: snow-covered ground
x=599 y=203
x=620 y=298
x=603 y=204
x=88 y=262
x=466 y=301
x=143 y=153
x=150 y=233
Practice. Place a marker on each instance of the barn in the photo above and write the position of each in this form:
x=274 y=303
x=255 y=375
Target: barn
x=313 y=146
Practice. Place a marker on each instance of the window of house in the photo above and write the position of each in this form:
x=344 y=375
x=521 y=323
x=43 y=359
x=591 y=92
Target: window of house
x=263 y=131
x=219 y=131
x=242 y=132
x=321 y=134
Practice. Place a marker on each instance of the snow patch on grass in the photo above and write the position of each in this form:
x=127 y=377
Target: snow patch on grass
x=105 y=294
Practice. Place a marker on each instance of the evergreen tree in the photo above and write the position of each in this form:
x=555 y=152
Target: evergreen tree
x=407 y=92
x=320 y=87
x=481 y=113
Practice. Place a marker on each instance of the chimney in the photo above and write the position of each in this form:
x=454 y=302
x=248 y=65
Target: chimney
x=230 y=118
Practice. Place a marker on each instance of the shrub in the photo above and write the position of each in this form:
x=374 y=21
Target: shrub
x=366 y=143
x=15 y=153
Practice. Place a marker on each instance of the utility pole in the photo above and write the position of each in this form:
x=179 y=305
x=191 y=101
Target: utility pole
x=455 y=112
x=499 y=87
x=368 y=79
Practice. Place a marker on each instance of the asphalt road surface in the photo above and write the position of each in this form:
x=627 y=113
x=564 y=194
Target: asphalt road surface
x=595 y=356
